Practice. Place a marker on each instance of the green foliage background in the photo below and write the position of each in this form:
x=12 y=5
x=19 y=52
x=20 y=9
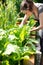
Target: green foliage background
x=39 y=1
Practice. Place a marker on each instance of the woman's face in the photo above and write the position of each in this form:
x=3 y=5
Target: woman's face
x=27 y=12
x=24 y=11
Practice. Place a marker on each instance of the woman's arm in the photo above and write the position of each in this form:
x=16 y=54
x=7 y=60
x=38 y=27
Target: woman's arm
x=41 y=23
x=24 y=20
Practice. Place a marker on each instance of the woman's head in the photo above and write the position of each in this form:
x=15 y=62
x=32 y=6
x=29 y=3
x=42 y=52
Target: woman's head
x=26 y=5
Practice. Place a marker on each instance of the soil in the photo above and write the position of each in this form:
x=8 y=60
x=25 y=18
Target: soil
x=29 y=62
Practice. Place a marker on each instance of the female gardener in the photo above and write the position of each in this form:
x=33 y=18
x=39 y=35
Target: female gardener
x=28 y=7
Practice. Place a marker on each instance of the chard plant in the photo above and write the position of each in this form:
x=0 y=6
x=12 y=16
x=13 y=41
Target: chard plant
x=16 y=44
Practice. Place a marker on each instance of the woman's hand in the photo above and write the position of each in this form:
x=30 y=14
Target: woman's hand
x=33 y=29
x=37 y=28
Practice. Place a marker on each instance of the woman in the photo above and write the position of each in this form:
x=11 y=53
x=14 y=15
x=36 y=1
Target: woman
x=28 y=7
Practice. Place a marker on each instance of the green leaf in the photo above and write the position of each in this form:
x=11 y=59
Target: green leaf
x=23 y=33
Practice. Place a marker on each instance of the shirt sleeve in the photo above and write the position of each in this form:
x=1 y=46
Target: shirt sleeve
x=40 y=9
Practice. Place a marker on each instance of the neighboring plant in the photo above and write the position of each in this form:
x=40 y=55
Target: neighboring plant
x=8 y=15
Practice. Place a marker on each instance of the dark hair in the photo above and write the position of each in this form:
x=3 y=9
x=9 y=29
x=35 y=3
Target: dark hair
x=27 y=4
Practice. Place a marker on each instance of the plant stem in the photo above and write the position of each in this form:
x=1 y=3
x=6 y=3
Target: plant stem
x=19 y=62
